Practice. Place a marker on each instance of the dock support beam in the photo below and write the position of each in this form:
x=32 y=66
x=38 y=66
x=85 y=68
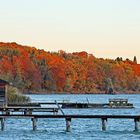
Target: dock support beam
x=104 y=124
x=136 y=120
x=55 y=112
x=2 y=121
x=34 y=123
x=68 y=123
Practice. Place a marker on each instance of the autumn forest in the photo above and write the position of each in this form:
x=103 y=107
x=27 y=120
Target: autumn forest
x=34 y=70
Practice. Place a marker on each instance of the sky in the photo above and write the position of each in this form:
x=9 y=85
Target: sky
x=105 y=28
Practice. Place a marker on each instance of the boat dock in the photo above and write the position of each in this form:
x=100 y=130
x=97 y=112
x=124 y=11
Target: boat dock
x=112 y=104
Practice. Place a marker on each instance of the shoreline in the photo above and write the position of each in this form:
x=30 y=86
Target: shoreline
x=76 y=93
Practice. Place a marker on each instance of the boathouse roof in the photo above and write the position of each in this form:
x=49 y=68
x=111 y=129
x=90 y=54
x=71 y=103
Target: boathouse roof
x=4 y=82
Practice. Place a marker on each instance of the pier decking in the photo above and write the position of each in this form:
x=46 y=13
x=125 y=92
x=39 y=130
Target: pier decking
x=68 y=119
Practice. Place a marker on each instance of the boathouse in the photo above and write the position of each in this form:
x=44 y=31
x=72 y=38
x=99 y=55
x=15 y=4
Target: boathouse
x=3 y=93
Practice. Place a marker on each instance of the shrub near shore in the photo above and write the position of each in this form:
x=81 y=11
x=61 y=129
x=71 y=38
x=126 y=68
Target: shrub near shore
x=14 y=96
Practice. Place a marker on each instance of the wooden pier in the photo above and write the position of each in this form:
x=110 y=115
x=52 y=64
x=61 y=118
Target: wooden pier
x=68 y=119
x=29 y=109
x=33 y=111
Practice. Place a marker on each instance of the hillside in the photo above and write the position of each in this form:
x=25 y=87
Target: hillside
x=35 y=70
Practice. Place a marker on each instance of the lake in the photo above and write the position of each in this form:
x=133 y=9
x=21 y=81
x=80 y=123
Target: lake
x=81 y=129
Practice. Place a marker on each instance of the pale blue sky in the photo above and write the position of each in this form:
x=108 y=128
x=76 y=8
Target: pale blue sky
x=106 y=28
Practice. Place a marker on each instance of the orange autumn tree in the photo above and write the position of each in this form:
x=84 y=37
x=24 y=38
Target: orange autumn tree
x=32 y=69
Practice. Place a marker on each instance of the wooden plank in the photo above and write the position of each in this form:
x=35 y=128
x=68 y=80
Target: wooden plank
x=24 y=105
x=6 y=108
x=31 y=110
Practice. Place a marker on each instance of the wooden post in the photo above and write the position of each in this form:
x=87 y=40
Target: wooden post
x=29 y=112
x=34 y=122
x=104 y=124
x=7 y=112
x=25 y=112
x=68 y=123
x=55 y=112
x=136 y=124
x=2 y=120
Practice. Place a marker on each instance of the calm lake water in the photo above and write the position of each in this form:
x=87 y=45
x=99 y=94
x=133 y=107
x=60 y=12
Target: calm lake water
x=81 y=129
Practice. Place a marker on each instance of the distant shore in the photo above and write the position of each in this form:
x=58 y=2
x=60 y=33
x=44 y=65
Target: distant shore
x=55 y=92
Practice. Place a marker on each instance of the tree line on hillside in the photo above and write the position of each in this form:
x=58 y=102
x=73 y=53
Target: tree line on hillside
x=31 y=69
